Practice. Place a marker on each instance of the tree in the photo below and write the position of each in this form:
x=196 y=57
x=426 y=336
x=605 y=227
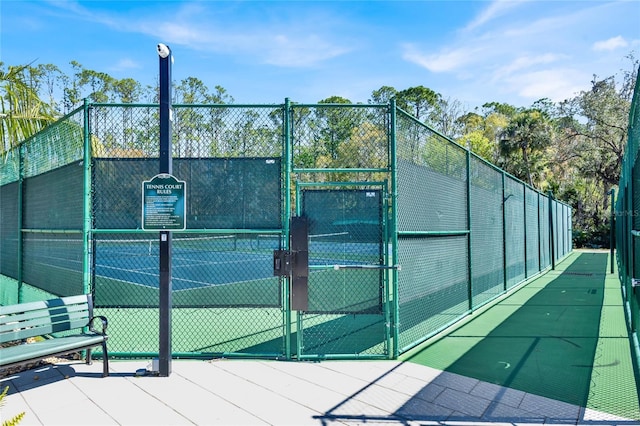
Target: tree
x=127 y=90
x=101 y=85
x=445 y=117
x=523 y=142
x=22 y=112
x=421 y=102
x=499 y=108
x=383 y=95
x=194 y=126
x=593 y=129
x=51 y=78
x=335 y=125
x=481 y=133
x=599 y=128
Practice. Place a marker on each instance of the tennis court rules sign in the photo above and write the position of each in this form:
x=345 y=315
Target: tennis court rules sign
x=163 y=203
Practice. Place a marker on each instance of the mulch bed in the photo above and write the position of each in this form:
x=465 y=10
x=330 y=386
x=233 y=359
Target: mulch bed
x=5 y=372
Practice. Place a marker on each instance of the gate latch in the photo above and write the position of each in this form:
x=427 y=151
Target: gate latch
x=294 y=263
x=281 y=263
x=291 y=262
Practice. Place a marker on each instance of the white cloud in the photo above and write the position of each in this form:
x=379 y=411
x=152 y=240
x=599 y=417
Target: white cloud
x=193 y=26
x=610 y=44
x=495 y=10
x=526 y=62
x=291 y=50
x=447 y=60
x=556 y=84
x=531 y=53
x=125 y=64
x=298 y=52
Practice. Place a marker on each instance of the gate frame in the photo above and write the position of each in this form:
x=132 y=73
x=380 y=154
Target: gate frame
x=387 y=267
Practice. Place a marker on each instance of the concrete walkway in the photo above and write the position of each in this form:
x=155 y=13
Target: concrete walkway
x=242 y=392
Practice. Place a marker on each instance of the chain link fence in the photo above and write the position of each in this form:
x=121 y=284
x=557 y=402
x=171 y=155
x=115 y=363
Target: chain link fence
x=466 y=232
x=626 y=218
x=408 y=231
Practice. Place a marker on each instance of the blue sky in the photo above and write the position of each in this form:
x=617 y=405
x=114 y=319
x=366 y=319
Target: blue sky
x=263 y=51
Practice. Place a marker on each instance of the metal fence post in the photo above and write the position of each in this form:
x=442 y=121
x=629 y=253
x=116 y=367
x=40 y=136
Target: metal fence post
x=394 y=229
x=552 y=251
x=20 y=220
x=539 y=233
x=86 y=208
x=504 y=235
x=469 y=235
x=612 y=224
x=524 y=223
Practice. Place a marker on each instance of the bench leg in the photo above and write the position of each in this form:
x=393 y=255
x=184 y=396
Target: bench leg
x=105 y=360
x=88 y=357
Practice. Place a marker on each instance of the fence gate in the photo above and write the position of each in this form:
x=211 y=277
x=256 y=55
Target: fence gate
x=347 y=309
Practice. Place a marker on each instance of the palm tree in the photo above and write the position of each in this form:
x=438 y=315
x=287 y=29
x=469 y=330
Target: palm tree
x=22 y=112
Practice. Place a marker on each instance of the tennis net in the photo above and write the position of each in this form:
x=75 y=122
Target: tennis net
x=132 y=247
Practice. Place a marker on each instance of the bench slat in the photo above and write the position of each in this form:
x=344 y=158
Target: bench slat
x=40 y=319
x=44 y=304
x=53 y=317
x=40 y=313
x=40 y=331
x=33 y=319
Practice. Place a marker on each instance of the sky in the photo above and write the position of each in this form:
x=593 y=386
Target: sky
x=514 y=51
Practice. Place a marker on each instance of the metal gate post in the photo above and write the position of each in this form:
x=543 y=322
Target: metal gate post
x=286 y=217
x=395 y=322
x=86 y=200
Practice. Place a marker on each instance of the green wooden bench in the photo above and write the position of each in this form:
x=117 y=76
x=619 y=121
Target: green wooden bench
x=73 y=315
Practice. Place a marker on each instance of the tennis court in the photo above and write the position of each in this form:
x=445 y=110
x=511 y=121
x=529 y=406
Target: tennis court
x=210 y=271
x=203 y=270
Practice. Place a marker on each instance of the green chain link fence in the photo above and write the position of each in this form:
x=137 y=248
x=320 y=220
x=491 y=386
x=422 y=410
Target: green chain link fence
x=466 y=232
x=626 y=217
x=408 y=231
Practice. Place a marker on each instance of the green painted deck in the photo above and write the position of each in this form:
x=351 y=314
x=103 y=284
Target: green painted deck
x=562 y=336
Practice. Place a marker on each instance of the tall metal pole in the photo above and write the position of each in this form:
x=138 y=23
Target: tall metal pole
x=166 y=166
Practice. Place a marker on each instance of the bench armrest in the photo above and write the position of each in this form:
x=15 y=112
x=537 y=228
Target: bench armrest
x=104 y=322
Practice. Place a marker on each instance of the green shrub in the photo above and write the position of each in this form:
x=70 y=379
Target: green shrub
x=16 y=419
